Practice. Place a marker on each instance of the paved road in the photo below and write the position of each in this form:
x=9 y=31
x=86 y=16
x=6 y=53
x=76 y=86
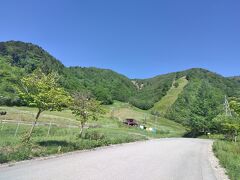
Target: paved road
x=164 y=159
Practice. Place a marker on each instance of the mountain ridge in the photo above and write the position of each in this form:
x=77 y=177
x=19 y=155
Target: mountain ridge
x=19 y=59
x=79 y=66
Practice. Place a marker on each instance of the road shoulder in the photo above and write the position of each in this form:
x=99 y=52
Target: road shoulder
x=219 y=171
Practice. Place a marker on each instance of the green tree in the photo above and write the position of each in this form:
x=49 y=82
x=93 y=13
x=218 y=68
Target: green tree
x=235 y=105
x=103 y=96
x=228 y=125
x=85 y=108
x=176 y=84
x=43 y=92
x=197 y=106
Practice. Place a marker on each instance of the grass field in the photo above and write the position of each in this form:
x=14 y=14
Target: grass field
x=167 y=101
x=47 y=139
x=229 y=155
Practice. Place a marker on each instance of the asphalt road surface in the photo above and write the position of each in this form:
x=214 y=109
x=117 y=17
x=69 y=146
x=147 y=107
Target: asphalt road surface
x=163 y=159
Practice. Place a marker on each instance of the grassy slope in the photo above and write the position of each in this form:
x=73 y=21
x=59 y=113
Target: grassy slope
x=172 y=95
x=108 y=130
x=124 y=110
x=229 y=155
x=27 y=114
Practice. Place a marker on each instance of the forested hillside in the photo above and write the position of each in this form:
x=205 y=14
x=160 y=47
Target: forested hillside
x=235 y=78
x=152 y=90
x=202 y=97
x=106 y=85
x=9 y=78
x=19 y=58
x=29 y=57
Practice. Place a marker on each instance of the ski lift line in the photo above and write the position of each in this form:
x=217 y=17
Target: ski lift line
x=227 y=107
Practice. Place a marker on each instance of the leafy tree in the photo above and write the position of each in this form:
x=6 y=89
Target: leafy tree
x=228 y=125
x=176 y=84
x=103 y=95
x=42 y=91
x=235 y=105
x=85 y=108
x=234 y=126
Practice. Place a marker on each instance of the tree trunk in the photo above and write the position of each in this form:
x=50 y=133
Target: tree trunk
x=33 y=126
x=81 y=130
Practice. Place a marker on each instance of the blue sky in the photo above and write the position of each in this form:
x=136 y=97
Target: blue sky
x=136 y=38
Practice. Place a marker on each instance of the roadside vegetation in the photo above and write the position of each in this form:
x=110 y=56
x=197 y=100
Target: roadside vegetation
x=229 y=155
x=58 y=132
x=58 y=141
x=227 y=149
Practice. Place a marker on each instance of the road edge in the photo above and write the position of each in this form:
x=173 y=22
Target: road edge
x=14 y=163
x=219 y=171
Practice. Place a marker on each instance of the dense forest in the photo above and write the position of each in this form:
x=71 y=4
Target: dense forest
x=201 y=99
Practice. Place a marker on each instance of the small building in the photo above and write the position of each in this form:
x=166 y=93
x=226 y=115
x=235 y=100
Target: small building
x=2 y=113
x=130 y=122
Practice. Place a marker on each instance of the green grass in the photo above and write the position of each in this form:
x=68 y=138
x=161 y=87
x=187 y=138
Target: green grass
x=167 y=101
x=109 y=129
x=28 y=114
x=229 y=155
x=60 y=140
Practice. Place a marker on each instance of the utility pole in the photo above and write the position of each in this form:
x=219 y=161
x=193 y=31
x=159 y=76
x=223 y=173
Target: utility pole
x=227 y=108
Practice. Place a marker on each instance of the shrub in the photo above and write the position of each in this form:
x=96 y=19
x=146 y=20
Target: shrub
x=94 y=135
x=176 y=84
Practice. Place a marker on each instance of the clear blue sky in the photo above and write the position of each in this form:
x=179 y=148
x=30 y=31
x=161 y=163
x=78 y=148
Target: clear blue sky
x=136 y=38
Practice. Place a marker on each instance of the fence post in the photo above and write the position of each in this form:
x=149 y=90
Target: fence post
x=16 y=130
x=112 y=114
x=49 y=128
x=2 y=125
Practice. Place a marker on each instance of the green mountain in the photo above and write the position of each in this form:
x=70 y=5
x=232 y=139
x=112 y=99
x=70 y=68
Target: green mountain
x=203 y=97
x=195 y=93
x=28 y=56
x=149 y=91
x=19 y=58
x=105 y=84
